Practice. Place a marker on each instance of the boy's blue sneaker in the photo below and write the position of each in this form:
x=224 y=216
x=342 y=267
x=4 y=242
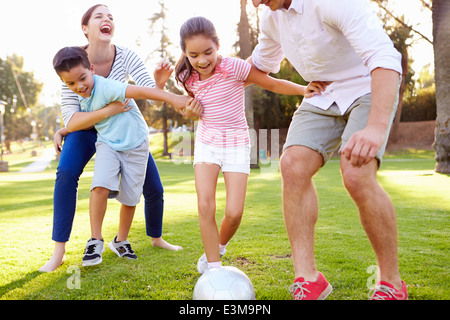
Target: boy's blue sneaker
x=93 y=252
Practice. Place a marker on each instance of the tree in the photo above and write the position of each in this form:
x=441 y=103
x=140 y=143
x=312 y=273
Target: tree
x=441 y=33
x=163 y=112
x=20 y=91
x=401 y=35
x=441 y=45
x=246 y=43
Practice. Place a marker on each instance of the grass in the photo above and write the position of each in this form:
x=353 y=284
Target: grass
x=260 y=248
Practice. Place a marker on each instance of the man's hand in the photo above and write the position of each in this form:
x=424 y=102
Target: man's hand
x=363 y=145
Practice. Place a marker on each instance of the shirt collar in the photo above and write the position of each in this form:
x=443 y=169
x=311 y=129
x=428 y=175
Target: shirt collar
x=220 y=71
x=296 y=5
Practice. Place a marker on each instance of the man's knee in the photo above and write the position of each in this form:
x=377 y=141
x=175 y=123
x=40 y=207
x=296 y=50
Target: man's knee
x=359 y=179
x=299 y=163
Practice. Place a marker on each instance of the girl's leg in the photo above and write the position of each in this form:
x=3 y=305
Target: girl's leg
x=78 y=149
x=206 y=182
x=236 y=187
x=97 y=209
x=126 y=219
x=154 y=206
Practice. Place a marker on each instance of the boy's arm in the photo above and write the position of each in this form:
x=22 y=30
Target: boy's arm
x=137 y=92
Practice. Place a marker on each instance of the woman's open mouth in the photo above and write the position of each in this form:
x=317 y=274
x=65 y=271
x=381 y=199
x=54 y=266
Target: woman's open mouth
x=105 y=29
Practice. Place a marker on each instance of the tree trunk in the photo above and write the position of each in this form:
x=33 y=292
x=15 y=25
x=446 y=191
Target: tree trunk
x=441 y=45
x=245 y=48
x=165 y=130
x=394 y=135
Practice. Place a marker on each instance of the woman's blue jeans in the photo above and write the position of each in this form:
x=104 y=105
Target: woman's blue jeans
x=78 y=149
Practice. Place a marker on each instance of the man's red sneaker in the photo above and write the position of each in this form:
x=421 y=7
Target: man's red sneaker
x=308 y=290
x=386 y=291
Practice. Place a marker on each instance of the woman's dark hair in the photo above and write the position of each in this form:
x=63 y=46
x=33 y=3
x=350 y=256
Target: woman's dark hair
x=192 y=27
x=88 y=14
x=70 y=57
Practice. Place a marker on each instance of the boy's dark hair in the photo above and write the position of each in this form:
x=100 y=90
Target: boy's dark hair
x=69 y=57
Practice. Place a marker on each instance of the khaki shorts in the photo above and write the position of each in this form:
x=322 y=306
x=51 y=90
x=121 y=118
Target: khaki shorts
x=327 y=131
x=121 y=172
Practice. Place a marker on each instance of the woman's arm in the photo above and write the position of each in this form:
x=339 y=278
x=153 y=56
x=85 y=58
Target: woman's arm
x=162 y=73
x=58 y=139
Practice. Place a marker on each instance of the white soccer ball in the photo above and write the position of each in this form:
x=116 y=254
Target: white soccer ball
x=225 y=283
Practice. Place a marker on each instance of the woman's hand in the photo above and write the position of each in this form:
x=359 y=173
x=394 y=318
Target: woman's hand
x=117 y=107
x=58 y=139
x=162 y=72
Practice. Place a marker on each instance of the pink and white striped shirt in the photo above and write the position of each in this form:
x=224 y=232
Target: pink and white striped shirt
x=223 y=122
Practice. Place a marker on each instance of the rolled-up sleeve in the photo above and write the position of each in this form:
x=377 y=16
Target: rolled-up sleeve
x=365 y=33
x=267 y=54
x=70 y=104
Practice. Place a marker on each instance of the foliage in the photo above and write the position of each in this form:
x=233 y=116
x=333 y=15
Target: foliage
x=158 y=115
x=20 y=91
x=280 y=108
x=421 y=106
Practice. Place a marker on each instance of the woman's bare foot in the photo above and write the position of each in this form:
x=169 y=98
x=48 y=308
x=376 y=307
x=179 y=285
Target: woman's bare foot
x=161 y=243
x=56 y=259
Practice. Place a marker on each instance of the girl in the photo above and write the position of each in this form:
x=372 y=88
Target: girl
x=222 y=137
x=114 y=62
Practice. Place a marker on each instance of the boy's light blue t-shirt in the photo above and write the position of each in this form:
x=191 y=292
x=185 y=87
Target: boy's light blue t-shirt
x=123 y=131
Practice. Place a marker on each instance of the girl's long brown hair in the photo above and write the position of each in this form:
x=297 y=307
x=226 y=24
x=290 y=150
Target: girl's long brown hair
x=192 y=27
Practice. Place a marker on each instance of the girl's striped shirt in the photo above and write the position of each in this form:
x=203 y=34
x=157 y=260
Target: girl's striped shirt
x=223 y=122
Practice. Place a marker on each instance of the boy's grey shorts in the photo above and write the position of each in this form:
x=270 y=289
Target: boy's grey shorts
x=121 y=172
x=325 y=131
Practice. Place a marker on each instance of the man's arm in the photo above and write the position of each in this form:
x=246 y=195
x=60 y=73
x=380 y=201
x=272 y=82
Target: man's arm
x=363 y=145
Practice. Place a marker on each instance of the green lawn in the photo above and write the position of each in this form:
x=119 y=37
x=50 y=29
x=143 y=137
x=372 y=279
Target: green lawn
x=260 y=247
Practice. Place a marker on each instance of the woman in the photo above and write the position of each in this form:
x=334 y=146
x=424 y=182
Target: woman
x=113 y=62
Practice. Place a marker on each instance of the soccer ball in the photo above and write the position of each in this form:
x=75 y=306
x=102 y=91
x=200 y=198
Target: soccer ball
x=225 y=283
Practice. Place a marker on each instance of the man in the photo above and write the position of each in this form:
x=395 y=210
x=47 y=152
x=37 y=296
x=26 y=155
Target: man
x=343 y=44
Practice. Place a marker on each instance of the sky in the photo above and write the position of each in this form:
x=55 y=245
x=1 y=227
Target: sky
x=36 y=30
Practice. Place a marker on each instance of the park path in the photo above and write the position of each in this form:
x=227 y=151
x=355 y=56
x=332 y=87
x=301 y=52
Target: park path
x=41 y=163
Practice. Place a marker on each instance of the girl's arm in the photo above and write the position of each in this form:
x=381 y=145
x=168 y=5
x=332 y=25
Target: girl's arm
x=280 y=86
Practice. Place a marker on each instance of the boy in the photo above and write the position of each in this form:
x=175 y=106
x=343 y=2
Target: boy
x=122 y=146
